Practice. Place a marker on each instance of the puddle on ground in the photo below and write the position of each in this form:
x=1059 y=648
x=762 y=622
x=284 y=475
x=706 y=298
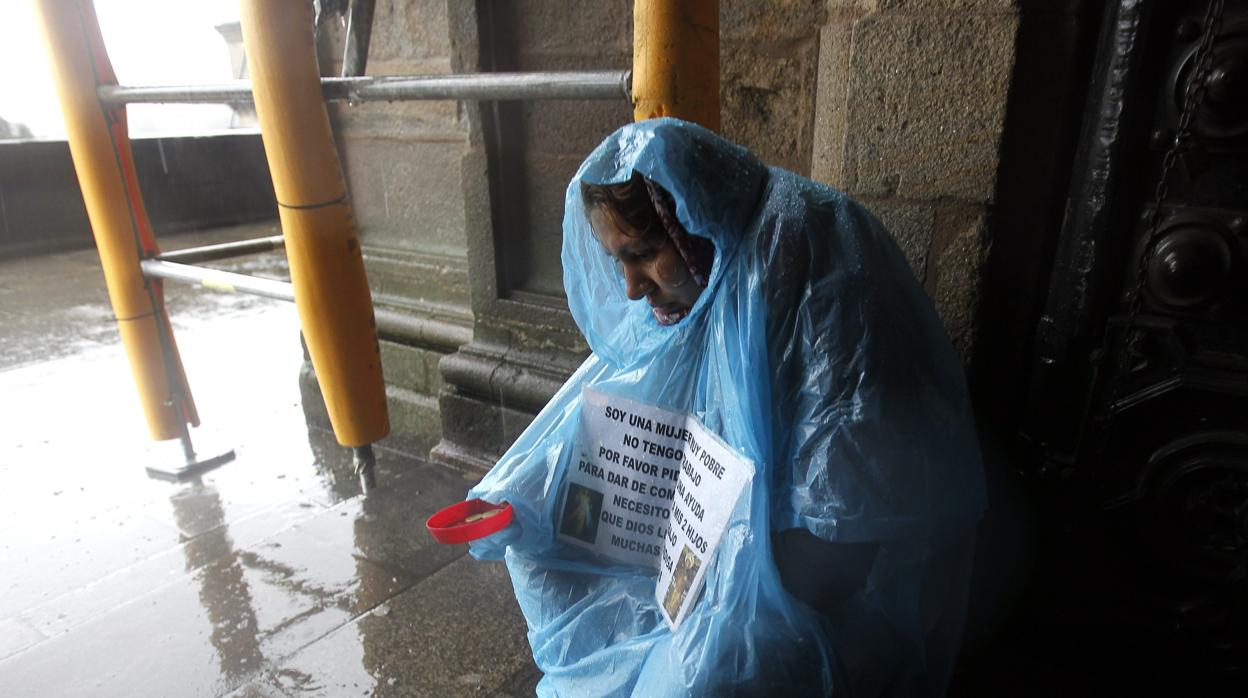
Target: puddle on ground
x=268 y=574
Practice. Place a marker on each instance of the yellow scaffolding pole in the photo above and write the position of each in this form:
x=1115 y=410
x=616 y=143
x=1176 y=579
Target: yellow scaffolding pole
x=676 y=60
x=100 y=146
x=326 y=265
x=327 y=269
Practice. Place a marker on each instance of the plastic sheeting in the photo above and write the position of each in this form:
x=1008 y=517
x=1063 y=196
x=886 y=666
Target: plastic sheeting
x=815 y=354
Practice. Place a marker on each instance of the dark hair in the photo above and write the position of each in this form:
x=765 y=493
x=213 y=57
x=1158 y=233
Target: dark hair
x=628 y=202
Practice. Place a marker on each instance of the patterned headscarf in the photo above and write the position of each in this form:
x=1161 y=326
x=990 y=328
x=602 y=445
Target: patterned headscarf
x=698 y=252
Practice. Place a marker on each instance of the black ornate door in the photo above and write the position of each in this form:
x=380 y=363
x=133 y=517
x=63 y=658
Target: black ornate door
x=1137 y=413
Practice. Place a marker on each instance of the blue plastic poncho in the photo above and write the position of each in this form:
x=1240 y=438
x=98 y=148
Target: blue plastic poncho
x=815 y=354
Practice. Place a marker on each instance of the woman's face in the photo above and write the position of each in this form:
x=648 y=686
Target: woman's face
x=653 y=268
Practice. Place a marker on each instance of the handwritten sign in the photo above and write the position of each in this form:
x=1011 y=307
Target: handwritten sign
x=653 y=488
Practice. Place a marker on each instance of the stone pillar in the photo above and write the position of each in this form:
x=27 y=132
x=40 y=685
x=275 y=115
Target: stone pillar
x=908 y=119
x=523 y=154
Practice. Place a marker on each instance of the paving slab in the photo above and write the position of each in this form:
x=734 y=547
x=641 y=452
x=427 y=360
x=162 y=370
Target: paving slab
x=115 y=583
x=457 y=633
x=217 y=626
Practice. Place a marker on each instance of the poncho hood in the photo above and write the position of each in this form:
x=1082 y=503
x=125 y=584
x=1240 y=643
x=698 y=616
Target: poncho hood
x=717 y=186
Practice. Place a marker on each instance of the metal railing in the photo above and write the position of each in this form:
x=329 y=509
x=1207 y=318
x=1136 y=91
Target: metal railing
x=603 y=85
x=217 y=279
x=180 y=265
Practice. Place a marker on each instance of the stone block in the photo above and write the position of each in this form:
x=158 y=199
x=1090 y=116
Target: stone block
x=926 y=102
x=407 y=195
x=488 y=428
x=767 y=98
x=759 y=21
x=910 y=223
x=923 y=5
x=415 y=423
x=418 y=283
x=429 y=120
x=412 y=368
x=832 y=103
x=616 y=56
x=405 y=33
x=409 y=30
x=946 y=5
x=409 y=37
x=547 y=327
x=955 y=269
x=571 y=129
x=551 y=28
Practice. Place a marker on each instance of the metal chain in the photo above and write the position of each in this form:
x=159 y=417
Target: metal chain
x=1192 y=98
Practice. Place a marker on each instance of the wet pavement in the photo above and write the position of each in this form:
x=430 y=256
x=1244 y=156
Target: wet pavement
x=270 y=576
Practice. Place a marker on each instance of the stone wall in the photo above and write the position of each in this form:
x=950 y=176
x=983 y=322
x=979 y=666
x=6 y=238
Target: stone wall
x=898 y=102
x=769 y=61
x=189 y=183
x=908 y=119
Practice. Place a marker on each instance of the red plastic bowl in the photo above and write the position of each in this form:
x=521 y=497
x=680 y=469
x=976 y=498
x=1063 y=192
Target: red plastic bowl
x=451 y=524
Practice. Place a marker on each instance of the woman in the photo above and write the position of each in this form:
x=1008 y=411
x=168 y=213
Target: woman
x=781 y=315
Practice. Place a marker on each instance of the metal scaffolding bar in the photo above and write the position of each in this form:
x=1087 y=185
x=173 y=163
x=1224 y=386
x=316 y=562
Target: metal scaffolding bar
x=218 y=280
x=225 y=250
x=390 y=323
x=603 y=85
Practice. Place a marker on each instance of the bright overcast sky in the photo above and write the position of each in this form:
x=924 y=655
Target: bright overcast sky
x=150 y=42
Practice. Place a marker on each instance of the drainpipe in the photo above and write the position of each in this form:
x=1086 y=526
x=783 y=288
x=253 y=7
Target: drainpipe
x=100 y=145
x=322 y=245
x=676 y=60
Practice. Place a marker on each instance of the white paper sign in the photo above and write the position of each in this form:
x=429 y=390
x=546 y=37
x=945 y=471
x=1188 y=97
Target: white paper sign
x=653 y=488
x=711 y=480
